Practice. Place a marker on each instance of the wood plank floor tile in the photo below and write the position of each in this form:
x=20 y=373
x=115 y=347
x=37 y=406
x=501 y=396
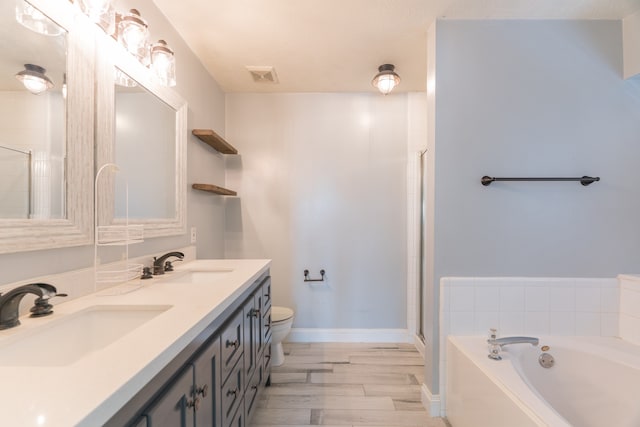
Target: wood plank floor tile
x=361 y=378
x=346 y=385
x=330 y=402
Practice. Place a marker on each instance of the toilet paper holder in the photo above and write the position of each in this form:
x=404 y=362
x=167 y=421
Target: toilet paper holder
x=308 y=279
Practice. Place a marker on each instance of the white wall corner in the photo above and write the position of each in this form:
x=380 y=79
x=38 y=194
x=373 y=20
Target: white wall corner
x=631 y=45
x=431 y=402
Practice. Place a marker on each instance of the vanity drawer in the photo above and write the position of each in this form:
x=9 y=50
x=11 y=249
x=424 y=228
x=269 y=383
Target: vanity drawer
x=266 y=364
x=232 y=344
x=231 y=393
x=238 y=419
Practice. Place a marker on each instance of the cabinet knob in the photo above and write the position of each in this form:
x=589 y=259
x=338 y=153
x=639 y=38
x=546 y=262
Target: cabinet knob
x=202 y=390
x=234 y=343
x=232 y=392
x=193 y=403
x=255 y=312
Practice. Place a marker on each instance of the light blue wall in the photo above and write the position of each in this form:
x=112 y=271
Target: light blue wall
x=533 y=98
x=322 y=183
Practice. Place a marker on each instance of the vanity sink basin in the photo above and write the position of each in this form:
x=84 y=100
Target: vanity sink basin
x=200 y=277
x=64 y=341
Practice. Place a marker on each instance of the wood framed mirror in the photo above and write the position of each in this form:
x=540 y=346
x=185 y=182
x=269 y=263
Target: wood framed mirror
x=47 y=161
x=142 y=128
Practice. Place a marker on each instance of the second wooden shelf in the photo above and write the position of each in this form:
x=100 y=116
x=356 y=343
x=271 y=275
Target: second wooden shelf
x=214 y=189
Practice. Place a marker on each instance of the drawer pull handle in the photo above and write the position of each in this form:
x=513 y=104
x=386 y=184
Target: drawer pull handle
x=254 y=387
x=234 y=344
x=202 y=390
x=193 y=403
x=230 y=392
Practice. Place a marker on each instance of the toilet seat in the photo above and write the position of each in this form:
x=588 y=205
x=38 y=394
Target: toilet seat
x=280 y=314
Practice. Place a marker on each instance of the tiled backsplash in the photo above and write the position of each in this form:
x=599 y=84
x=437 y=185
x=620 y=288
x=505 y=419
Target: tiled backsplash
x=529 y=306
x=630 y=308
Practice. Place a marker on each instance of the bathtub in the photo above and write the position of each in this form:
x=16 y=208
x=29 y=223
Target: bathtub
x=595 y=382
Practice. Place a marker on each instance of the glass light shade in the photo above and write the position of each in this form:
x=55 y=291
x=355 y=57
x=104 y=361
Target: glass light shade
x=34 y=79
x=102 y=12
x=133 y=34
x=163 y=63
x=386 y=79
x=35 y=20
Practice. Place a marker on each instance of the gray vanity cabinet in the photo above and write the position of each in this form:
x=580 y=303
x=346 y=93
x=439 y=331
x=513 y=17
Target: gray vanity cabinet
x=175 y=406
x=192 y=398
x=216 y=380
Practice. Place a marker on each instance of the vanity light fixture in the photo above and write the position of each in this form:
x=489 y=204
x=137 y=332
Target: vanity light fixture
x=163 y=63
x=33 y=78
x=35 y=20
x=386 y=79
x=102 y=12
x=133 y=34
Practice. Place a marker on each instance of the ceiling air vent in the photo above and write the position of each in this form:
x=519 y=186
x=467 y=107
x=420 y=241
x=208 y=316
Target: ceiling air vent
x=263 y=74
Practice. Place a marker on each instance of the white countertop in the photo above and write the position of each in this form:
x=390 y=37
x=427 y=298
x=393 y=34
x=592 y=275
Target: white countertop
x=91 y=390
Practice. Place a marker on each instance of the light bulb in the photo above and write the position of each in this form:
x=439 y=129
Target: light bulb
x=163 y=63
x=133 y=34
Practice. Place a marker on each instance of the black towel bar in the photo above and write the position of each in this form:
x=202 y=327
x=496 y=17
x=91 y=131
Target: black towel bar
x=585 y=180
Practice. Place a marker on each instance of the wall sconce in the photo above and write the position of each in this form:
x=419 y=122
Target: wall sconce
x=35 y=20
x=163 y=63
x=34 y=79
x=386 y=79
x=102 y=12
x=133 y=34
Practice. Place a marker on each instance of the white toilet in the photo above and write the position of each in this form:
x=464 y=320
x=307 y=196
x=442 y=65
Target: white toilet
x=281 y=321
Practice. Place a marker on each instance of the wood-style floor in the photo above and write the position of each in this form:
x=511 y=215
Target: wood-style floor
x=338 y=384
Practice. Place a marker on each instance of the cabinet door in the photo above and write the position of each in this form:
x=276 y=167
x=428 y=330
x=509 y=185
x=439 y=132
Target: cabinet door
x=232 y=343
x=207 y=385
x=175 y=406
x=249 y=333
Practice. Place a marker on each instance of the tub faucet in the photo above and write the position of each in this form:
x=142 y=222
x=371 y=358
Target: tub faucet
x=10 y=303
x=158 y=263
x=496 y=344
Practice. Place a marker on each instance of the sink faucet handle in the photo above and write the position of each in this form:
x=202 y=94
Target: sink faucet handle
x=41 y=306
x=168 y=265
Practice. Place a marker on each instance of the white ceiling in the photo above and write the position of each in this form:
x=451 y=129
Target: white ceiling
x=337 y=45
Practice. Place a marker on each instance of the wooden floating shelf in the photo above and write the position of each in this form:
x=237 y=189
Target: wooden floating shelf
x=214 y=189
x=214 y=140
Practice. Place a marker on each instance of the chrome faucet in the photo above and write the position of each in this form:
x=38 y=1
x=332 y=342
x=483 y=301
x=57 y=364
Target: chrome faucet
x=159 y=263
x=496 y=344
x=10 y=303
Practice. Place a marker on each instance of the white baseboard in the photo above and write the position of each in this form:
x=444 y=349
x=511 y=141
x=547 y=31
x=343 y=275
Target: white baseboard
x=349 y=335
x=419 y=345
x=431 y=402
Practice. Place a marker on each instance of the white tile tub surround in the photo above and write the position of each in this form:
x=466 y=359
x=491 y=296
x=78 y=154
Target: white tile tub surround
x=630 y=307
x=530 y=306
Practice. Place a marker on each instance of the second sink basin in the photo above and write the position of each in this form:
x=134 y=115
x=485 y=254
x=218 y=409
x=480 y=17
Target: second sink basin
x=200 y=277
x=64 y=341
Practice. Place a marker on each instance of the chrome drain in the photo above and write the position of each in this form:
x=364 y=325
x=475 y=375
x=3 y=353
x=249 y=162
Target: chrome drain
x=546 y=360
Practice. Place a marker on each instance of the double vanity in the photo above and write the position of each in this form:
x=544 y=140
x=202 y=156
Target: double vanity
x=191 y=347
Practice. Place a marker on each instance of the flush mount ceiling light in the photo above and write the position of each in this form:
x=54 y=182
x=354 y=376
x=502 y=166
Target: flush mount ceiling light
x=34 y=79
x=35 y=20
x=163 y=63
x=133 y=34
x=386 y=79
